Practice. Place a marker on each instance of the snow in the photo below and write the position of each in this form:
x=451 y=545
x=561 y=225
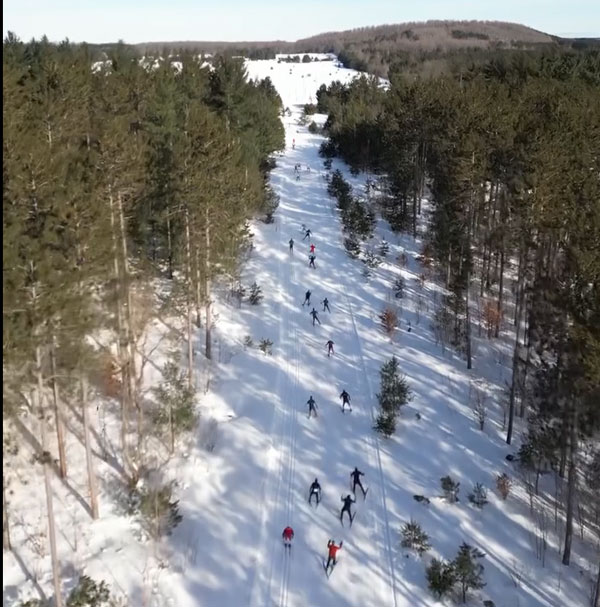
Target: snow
x=236 y=500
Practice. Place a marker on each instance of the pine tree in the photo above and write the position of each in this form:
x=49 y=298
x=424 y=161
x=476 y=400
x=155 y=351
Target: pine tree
x=468 y=571
x=441 y=577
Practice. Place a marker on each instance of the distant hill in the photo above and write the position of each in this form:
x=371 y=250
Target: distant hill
x=426 y=48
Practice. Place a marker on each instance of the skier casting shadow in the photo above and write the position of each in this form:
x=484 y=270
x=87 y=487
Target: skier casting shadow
x=306 y=298
x=291 y=245
x=356 y=474
x=315 y=489
x=345 y=400
x=312 y=407
x=331 y=556
x=325 y=303
x=288 y=536
x=330 y=351
x=307 y=234
x=348 y=501
x=311 y=263
x=315 y=316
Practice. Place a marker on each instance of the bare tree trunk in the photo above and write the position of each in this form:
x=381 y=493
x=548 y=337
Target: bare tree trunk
x=188 y=290
x=172 y=428
x=60 y=427
x=198 y=290
x=571 y=486
x=169 y=249
x=126 y=395
x=415 y=194
x=47 y=462
x=88 y=447
x=129 y=323
x=207 y=287
x=468 y=321
x=500 y=291
x=5 y=528
x=515 y=365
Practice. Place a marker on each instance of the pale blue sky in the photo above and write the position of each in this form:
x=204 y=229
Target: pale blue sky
x=161 y=20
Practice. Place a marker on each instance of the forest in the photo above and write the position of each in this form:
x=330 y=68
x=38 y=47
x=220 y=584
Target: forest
x=115 y=178
x=508 y=155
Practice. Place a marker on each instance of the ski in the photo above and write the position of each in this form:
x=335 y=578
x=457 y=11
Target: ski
x=352 y=519
x=365 y=494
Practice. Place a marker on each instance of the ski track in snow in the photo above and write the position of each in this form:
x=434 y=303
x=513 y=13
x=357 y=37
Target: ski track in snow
x=376 y=454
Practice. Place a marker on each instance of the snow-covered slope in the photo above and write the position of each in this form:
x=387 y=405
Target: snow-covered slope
x=235 y=501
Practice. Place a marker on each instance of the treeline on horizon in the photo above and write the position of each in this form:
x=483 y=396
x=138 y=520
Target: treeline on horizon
x=423 y=49
x=510 y=154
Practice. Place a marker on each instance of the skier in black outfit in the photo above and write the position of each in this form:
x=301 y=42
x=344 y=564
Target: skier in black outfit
x=311 y=263
x=325 y=303
x=315 y=316
x=348 y=501
x=329 y=345
x=307 y=234
x=307 y=298
x=345 y=400
x=291 y=244
x=312 y=407
x=356 y=474
x=315 y=489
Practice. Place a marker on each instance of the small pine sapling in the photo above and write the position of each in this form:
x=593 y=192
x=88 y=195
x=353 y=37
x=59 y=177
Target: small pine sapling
x=384 y=248
x=248 y=343
x=503 y=484
x=440 y=577
x=450 y=488
x=352 y=247
x=414 y=537
x=479 y=495
x=265 y=346
x=159 y=513
x=468 y=570
x=399 y=287
x=255 y=294
x=89 y=593
x=371 y=260
x=385 y=424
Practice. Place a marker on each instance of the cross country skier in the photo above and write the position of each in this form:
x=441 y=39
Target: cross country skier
x=345 y=400
x=325 y=303
x=293 y=144
x=307 y=298
x=329 y=345
x=356 y=474
x=311 y=263
x=332 y=552
x=348 y=501
x=315 y=489
x=307 y=234
x=312 y=248
x=315 y=316
x=291 y=245
x=312 y=407
x=288 y=536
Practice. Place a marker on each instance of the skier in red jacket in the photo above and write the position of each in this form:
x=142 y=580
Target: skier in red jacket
x=332 y=552
x=312 y=248
x=288 y=536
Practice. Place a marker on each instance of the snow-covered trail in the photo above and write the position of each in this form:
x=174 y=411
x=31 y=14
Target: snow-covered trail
x=329 y=446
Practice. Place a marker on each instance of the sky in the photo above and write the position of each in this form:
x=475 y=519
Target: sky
x=240 y=20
